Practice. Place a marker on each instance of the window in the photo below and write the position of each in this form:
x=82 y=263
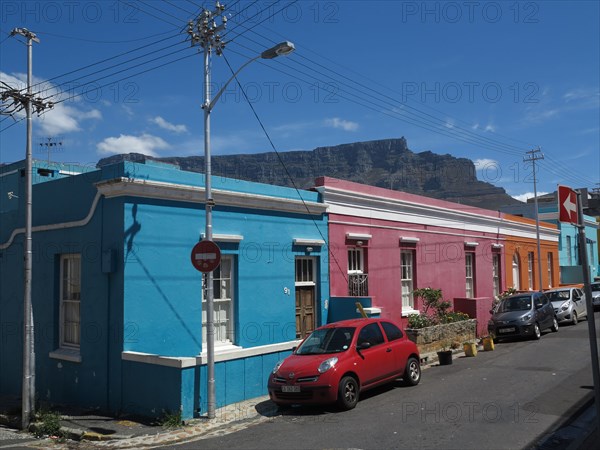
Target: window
x=592 y=261
x=223 y=292
x=305 y=271
x=407 y=278
x=569 y=254
x=70 y=299
x=391 y=331
x=550 y=271
x=496 y=273
x=470 y=274
x=530 y=270
x=516 y=272
x=357 y=276
x=371 y=334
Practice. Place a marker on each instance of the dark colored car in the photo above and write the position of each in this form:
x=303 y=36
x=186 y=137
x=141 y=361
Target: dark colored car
x=338 y=361
x=524 y=314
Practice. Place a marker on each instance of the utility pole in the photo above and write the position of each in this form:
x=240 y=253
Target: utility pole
x=535 y=155
x=50 y=143
x=29 y=103
x=587 y=289
x=206 y=34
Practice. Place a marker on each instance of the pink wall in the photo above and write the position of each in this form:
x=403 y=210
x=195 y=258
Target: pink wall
x=439 y=253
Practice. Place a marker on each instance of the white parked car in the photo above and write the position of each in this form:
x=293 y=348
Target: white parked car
x=569 y=304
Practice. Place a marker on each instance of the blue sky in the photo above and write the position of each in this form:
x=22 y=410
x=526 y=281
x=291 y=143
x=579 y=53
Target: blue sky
x=482 y=80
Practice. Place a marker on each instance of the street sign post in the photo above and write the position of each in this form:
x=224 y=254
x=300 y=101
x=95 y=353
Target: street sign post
x=567 y=205
x=570 y=210
x=206 y=256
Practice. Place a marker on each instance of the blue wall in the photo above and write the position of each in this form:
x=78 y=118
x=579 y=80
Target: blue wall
x=140 y=292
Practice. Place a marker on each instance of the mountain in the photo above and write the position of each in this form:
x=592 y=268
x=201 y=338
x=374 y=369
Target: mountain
x=387 y=163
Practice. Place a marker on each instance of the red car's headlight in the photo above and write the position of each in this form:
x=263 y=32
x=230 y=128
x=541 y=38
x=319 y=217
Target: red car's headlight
x=327 y=364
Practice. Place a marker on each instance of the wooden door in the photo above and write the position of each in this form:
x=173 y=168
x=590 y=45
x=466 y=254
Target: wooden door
x=305 y=311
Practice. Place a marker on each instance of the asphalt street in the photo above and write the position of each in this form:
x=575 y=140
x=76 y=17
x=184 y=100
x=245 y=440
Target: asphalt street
x=510 y=398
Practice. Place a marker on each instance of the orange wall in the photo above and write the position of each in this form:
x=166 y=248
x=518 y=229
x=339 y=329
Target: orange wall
x=521 y=247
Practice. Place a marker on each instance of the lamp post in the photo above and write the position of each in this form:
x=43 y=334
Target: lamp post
x=207 y=36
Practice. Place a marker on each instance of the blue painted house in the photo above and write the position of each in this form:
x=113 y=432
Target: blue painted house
x=118 y=306
x=569 y=260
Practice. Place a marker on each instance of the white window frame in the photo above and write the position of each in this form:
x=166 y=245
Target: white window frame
x=407 y=276
x=569 y=252
x=306 y=276
x=516 y=271
x=70 y=298
x=550 y=270
x=470 y=274
x=530 y=274
x=224 y=328
x=496 y=273
x=356 y=260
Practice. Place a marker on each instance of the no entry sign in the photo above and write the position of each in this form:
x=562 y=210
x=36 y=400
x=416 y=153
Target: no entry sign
x=206 y=256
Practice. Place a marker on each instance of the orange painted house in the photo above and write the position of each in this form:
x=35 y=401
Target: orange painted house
x=520 y=254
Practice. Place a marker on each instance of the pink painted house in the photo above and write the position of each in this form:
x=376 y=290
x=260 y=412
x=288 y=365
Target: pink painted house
x=384 y=244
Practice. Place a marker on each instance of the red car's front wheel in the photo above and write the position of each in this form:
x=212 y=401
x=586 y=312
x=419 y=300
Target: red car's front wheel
x=348 y=393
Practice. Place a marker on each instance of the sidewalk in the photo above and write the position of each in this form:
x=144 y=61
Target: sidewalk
x=129 y=432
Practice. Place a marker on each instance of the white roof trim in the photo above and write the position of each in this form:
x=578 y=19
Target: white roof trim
x=372 y=207
x=360 y=236
x=120 y=187
x=314 y=242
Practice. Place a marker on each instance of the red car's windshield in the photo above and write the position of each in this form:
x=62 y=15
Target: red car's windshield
x=327 y=340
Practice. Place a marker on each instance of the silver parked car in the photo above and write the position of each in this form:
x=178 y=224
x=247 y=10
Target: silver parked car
x=524 y=314
x=569 y=304
x=596 y=294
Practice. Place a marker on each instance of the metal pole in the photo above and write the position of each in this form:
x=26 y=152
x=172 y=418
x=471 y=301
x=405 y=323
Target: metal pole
x=590 y=308
x=533 y=158
x=210 y=327
x=28 y=388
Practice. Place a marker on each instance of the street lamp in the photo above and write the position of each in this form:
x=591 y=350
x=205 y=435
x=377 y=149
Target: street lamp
x=282 y=49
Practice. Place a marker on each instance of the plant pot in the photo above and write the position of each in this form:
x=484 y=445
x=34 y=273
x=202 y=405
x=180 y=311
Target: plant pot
x=445 y=357
x=488 y=344
x=470 y=349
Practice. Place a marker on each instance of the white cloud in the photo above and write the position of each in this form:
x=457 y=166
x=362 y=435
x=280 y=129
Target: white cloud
x=526 y=195
x=345 y=125
x=145 y=144
x=482 y=163
x=61 y=118
x=490 y=127
x=162 y=123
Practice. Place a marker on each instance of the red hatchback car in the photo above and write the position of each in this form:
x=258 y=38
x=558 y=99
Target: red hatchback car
x=339 y=360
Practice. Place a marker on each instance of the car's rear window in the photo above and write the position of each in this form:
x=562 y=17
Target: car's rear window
x=327 y=340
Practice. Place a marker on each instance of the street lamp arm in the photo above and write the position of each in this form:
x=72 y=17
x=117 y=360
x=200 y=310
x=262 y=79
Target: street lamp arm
x=281 y=49
x=212 y=103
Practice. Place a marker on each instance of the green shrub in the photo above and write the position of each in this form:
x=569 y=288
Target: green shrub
x=49 y=424
x=435 y=310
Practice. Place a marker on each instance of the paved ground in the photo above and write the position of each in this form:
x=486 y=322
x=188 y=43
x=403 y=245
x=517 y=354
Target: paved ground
x=98 y=431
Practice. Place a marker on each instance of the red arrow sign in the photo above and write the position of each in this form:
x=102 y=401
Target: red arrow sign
x=206 y=256
x=567 y=205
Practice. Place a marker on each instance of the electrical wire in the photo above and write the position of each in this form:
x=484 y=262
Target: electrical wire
x=94 y=41
x=285 y=169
